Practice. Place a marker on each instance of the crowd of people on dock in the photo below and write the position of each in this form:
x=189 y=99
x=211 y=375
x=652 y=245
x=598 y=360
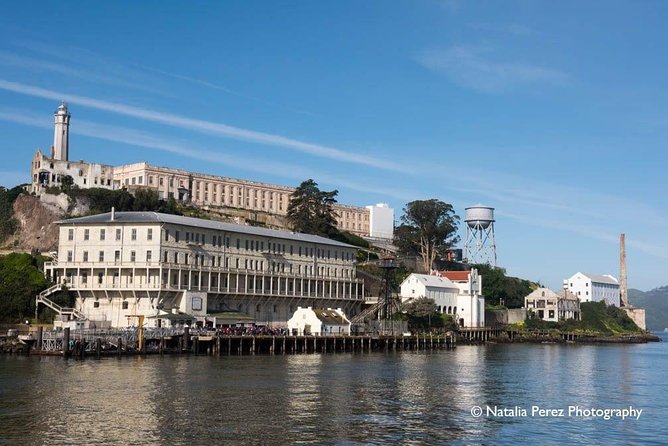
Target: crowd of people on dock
x=251 y=331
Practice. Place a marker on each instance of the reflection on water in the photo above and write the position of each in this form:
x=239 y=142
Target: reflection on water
x=397 y=398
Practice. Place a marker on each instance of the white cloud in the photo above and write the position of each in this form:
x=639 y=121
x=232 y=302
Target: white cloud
x=467 y=67
x=203 y=126
x=205 y=83
x=68 y=70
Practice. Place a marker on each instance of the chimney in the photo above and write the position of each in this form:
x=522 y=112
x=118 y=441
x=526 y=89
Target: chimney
x=113 y=213
x=623 y=288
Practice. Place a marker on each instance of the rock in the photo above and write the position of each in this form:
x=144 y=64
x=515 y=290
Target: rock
x=36 y=228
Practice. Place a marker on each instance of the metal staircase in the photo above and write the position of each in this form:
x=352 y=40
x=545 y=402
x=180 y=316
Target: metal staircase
x=71 y=313
x=359 y=318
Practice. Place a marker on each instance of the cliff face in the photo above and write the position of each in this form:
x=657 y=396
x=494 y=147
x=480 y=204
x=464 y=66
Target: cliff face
x=36 y=229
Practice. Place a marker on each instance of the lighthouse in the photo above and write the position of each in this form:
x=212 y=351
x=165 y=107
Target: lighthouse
x=61 y=133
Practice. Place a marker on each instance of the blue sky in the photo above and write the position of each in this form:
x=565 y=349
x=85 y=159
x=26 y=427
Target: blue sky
x=554 y=113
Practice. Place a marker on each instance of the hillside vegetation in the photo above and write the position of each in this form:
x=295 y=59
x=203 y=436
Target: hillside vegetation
x=8 y=223
x=501 y=289
x=597 y=318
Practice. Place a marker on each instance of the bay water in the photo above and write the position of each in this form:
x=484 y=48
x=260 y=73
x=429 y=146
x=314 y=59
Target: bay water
x=491 y=394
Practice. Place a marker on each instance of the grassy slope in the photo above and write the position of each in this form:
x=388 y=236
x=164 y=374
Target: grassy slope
x=597 y=318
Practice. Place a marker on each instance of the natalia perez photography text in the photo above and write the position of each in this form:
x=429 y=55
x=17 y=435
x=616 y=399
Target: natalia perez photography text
x=629 y=412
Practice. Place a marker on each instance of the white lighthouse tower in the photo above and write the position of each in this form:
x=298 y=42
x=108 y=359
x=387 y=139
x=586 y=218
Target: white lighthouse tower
x=480 y=245
x=61 y=133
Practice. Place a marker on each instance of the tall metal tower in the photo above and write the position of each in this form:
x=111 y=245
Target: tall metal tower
x=480 y=244
x=387 y=306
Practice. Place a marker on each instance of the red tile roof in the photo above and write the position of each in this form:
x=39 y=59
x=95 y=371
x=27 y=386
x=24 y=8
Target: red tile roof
x=455 y=276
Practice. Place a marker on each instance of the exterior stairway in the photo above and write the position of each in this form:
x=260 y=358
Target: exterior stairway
x=42 y=298
x=372 y=310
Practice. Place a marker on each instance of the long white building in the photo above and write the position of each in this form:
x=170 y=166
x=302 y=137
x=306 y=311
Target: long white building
x=594 y=288
x=199 y=189
x=123 y=264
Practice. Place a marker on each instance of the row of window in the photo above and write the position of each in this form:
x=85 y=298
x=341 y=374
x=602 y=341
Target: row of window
x=253 y=264
x=102 y=234
x=117 y=256
x=213 y=261
x=259 y=245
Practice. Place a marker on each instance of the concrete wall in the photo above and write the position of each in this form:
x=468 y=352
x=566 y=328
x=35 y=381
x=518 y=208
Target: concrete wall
x=637 y=315
x=505 y=317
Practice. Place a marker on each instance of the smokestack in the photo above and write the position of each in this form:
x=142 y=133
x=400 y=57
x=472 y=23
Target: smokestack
x=623 y=288
x=113 y=213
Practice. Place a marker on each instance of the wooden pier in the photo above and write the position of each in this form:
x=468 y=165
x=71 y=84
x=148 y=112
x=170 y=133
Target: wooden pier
x=228 y=345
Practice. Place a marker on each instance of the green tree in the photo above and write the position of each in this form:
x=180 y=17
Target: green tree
x=66 y=183
x=422 y=313
x=8 y=223
x=499 y=288
x=310 y=210
x=146 y=200
x=20 y=282
x=429 y=228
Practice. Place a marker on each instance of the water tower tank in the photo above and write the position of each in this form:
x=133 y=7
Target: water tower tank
x=479 y=216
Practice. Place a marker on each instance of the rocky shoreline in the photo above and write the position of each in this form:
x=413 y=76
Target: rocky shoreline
x=528 y=338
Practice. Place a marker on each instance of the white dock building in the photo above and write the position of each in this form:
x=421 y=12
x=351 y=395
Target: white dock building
x=125 y=264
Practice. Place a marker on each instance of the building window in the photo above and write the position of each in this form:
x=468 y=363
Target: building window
x=149 y=254
x=166 y=257
x=84 y=278
x=101 y=256
x=166 y=235
x=134 y=234
x=85 y=256
x=124 y=305
x=149 y=234
x=96 y=304
x=69 y=256
x=99 y=277
x=86 y=234
x=133 y=256
x=117 y=256
x=176 y=236
x=103 y=234
x=118 y=234
x=70 y=234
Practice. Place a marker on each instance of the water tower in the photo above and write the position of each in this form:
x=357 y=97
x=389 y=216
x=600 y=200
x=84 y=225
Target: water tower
x=480 y=245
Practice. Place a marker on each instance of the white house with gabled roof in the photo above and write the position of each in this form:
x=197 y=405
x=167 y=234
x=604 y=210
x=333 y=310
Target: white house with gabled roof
x=594 y=288
x=318 y=321
x=463 y=301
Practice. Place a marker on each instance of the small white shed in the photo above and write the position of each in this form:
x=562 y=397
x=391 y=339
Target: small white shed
x=318 y=321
